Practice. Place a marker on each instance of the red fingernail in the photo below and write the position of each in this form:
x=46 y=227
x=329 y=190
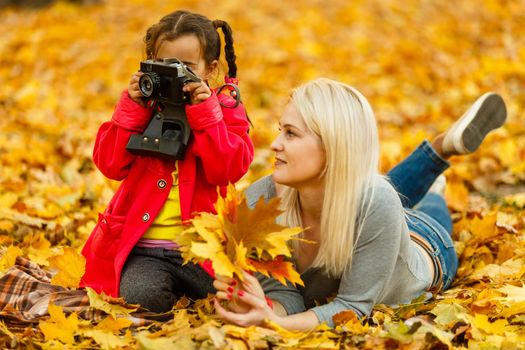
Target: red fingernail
x=250 y=272
x=230 y=289
x=233 y=282
x=240 y=293
x=229 y=296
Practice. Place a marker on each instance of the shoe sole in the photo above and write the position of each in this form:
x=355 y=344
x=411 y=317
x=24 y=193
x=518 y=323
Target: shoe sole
x=472 y=128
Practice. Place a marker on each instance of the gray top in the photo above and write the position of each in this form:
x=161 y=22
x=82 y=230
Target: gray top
x=387 y=266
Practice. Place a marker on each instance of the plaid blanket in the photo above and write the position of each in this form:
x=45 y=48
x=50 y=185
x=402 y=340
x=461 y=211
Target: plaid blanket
x=26 y=291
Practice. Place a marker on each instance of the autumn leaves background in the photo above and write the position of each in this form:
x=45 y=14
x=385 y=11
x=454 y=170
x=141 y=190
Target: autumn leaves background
x=420 y=63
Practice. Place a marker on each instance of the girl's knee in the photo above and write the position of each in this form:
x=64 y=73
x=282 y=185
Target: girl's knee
x=153 y=298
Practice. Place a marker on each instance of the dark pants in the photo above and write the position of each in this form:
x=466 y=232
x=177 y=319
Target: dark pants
x=155 y=278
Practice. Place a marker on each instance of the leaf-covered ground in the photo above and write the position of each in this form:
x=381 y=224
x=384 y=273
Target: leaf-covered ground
x=420 y=63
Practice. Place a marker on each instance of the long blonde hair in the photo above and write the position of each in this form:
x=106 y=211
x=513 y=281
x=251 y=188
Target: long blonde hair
x=344 y=121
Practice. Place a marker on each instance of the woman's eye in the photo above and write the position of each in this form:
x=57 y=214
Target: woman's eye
x=289 y=133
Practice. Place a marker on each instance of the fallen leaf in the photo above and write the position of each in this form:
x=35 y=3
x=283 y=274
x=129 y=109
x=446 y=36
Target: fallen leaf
x=110 y=305
x=71 y=267
x=58 y=326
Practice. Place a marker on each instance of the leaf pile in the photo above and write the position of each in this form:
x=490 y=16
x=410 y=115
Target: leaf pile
x=420 y=63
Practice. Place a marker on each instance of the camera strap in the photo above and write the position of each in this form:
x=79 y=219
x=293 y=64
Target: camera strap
x=234 y=92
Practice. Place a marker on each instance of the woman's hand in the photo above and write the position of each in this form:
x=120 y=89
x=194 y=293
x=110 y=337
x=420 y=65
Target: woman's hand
x=228 y=289
x=133 y=89
x=198 y=91
x=246 y=303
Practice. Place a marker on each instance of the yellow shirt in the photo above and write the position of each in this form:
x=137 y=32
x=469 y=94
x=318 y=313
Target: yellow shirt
x=168 y=224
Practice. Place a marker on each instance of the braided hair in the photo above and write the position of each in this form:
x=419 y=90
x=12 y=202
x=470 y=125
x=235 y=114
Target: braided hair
x=179 y=23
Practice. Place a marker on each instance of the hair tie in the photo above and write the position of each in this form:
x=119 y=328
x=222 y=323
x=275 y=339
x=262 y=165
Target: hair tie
x=218 y=23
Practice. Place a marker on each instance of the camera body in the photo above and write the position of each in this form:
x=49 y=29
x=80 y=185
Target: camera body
x=168 y=133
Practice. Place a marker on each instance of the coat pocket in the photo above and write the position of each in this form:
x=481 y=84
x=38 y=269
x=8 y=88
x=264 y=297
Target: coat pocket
x=107 y=235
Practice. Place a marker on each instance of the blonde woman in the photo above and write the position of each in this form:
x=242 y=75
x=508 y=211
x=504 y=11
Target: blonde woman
x=370 y=246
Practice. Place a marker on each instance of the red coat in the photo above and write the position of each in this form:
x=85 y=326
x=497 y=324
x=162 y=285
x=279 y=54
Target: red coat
x=220 y=152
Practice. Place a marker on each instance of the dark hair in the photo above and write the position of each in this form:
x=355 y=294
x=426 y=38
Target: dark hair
x=180 y=23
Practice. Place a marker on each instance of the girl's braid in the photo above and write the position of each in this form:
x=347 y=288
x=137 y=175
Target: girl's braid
x=228 y=46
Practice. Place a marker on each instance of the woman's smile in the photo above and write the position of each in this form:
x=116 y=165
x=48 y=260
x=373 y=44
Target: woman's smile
x=279 y=161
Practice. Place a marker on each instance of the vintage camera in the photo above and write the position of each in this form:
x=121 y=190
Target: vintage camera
x=168 y=132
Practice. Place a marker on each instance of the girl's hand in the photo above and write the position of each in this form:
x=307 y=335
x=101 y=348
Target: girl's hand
x=198 y=91
x=133 y=89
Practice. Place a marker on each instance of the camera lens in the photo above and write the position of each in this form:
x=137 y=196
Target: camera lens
x=149 y=84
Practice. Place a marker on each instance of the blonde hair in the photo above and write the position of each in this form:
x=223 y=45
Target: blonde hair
x=344 y=121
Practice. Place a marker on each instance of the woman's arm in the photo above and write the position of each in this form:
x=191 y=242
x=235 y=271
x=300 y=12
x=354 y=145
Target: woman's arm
x=371 y=274
x=362 y=285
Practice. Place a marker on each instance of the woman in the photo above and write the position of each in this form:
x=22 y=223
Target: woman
x=371 y=247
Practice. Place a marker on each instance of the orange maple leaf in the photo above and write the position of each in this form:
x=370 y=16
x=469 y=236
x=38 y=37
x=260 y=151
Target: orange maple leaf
x=280 y=269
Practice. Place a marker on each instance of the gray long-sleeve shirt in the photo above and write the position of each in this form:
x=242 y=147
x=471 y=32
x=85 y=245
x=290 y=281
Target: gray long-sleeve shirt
x=387 y=266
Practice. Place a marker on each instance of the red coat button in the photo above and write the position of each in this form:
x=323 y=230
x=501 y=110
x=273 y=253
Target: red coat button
x=161 y=184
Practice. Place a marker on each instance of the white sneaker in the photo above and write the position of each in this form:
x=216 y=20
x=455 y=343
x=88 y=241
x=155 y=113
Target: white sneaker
x=467 y=133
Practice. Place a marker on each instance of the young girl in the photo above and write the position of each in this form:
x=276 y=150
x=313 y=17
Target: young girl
x=132 y=250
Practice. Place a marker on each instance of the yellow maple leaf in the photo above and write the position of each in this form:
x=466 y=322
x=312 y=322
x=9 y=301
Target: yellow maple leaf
x=6 y=225
x=113 y=324
x=107 y=340
x=517 y=199
x=110 y=305
x=9 y=256
x=485 y=228
x=71 y=267
x=257 y=228
x=456 y=194
x=239 y=238
x=482 y=322
x=7 y=200
x=348 y=319
x=449 y=313
x=58 y=326
x=39 y=249
x=513 y=294
x=513 y=309
x=240 y=257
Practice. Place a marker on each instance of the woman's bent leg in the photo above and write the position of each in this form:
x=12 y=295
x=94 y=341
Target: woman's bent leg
x=415 y=174
x=434 y=205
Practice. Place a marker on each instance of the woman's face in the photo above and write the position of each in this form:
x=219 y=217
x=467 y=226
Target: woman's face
x=299 y=155
x=186 y=48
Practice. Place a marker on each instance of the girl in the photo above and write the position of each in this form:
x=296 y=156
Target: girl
x=131 y=252
x=370 y=249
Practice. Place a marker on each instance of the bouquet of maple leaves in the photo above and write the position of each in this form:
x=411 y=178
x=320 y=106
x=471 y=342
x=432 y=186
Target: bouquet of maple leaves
x=238 y=238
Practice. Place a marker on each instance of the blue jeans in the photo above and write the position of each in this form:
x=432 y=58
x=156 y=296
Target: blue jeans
x=427 y=213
